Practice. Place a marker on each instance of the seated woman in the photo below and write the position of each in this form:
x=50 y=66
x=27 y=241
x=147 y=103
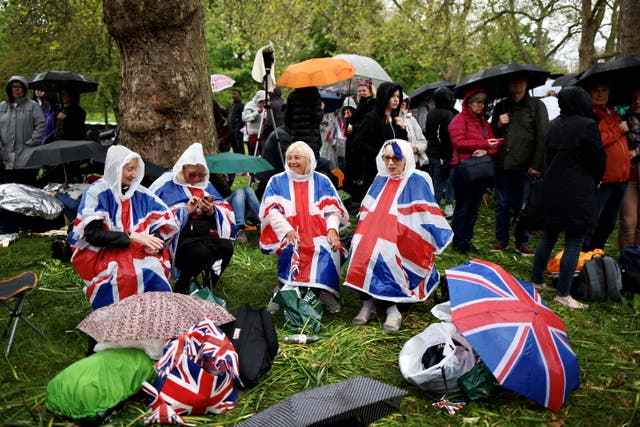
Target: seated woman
x=301 y=213
x=119 y=234
x=205 y=219
x=399 y=232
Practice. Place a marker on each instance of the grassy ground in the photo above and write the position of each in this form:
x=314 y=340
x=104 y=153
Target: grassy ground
x=605 y=337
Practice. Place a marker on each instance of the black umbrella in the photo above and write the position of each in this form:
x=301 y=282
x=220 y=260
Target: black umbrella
x=64 y=151
x=566 y=80
x=355 y=402
x=422 y=94
x=53 y=81
x=494 y=79
x=622 y=74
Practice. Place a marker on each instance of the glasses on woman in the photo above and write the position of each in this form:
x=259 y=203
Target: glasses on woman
x=393 y=159
x=194 y=175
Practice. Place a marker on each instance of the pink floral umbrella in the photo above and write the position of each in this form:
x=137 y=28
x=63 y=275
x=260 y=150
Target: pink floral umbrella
x=220 y=82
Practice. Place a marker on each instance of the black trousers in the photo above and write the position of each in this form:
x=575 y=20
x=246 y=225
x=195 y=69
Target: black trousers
x=195 y=255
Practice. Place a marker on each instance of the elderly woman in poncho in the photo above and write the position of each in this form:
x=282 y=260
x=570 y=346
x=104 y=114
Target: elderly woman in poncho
x=206 y=220
x=301 y=215
x=400 y=230
x=118 y=237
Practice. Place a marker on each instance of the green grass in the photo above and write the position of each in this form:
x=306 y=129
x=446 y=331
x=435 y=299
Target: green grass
x=605 y=337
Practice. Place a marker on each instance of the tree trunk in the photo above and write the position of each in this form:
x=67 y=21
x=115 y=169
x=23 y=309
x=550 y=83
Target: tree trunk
x=591 y=18
x=628 y=34
x=165 y=100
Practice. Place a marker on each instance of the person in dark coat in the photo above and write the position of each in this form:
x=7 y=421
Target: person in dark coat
x=273 y=151
x=378 y=126
x=574 y=166
x=235 y=122
x=303 y=116
x=276 y=104
x=439 y=148
x=70 y=120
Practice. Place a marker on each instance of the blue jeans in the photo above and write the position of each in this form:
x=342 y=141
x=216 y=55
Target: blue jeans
x=242 y=199
x=610 y=197
x=440 y=185
x=568 y=263
x=468 y=199
x=511 y=190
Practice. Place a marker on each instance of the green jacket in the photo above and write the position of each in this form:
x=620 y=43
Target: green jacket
x=525 y=135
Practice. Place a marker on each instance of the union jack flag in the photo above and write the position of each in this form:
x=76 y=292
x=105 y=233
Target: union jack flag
x=295 y=263
x=400 y=230
x=176 y=197
x=304 y=204
x=109 y=273
x=197 y=374
x=518 y=337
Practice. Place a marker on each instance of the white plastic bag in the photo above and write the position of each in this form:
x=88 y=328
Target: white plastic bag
x=442 y=311
x=458 y=359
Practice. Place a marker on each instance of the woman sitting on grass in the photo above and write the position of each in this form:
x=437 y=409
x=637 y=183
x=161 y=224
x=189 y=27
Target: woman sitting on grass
x=118 y=237
x=400 y=230
x=301 y=214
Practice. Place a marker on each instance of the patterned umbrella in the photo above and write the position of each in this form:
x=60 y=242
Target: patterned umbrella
x=356 y=401
x=150 y=316
x=517 y=336
x=221 y=82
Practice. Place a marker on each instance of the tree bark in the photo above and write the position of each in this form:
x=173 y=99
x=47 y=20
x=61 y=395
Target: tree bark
x=628 y=34
x=165 y=100
x=591 y=18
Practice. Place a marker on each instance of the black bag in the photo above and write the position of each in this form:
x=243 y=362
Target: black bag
x=254 y=338
x=630 y=265
x=532 y=216
x=475 y=168
x=599 y=280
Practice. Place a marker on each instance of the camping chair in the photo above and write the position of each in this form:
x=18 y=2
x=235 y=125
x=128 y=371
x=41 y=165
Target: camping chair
x=17 y=287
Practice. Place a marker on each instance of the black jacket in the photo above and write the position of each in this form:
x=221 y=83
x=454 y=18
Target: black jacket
x=437 y=127
x=270 y=153
x=374 y=131
x=303 y=116
x=574 y=165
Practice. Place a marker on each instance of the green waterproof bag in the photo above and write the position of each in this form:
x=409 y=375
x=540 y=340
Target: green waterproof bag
x=302 y=309
x=206 y=294
x=479 y=383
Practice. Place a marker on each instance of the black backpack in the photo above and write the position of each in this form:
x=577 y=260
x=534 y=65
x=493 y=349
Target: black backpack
x=599 y=280
x=254 y=338
x=630 y=264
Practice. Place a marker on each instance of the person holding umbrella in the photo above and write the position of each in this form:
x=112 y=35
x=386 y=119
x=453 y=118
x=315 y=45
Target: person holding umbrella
x=70 y=119
x=471 y=135
x=523 y=122
x=629 y=226
x=574 y=166
x=611 y=191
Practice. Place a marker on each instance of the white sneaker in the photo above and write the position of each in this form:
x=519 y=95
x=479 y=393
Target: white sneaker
x=393 y=321
x=366 y=314
x=448 y=211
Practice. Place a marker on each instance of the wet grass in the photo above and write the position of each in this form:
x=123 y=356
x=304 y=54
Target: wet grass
x=606 y=338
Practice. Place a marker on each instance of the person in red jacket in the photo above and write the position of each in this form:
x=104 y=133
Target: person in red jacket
x=471 y=135
x=611 y=192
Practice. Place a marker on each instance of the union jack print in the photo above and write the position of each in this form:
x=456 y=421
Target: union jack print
x=111 y=274
x=518 y=337
x=399 y=232
x=304 y=204
x=197 y=374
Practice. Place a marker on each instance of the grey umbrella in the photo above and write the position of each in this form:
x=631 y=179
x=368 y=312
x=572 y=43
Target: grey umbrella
x=355 y=402
x=366 y=69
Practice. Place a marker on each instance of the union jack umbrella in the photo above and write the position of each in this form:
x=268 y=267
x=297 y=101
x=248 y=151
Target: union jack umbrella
x=517 y=336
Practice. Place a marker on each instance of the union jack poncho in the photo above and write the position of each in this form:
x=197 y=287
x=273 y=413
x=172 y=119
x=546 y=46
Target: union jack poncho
x=305 y=202
x=197 y=374
x=400 y=230
x=173 y=190
x=111 y=273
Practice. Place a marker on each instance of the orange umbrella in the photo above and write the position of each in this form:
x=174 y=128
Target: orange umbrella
x=316 y=72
